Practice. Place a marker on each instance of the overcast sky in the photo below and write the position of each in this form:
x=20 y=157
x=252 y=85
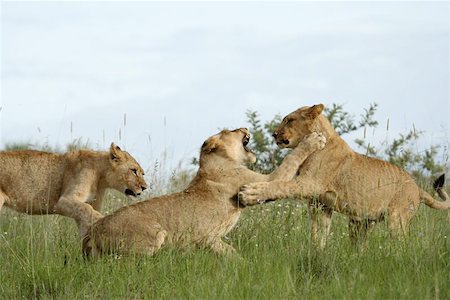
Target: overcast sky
x=179 y=71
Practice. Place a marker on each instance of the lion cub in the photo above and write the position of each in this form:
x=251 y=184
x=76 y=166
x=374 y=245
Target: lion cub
x=36 y=182
x=338 y=179
x=201 y=214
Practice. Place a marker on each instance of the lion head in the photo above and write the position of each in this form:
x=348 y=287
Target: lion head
x=125 y=174
x=229 y=144
x=296 y=125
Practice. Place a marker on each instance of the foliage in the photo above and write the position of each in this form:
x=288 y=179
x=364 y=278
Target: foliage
x=30 y=146
x=344 y=123
x=267 y=152
x=76 y=144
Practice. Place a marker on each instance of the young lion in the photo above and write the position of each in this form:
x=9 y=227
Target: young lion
x=339 y=179
x=201 y=214
x=36 y=182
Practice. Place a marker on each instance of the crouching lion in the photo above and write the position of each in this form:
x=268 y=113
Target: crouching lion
x=38 y=183
x=201 y=214
x=338 y=179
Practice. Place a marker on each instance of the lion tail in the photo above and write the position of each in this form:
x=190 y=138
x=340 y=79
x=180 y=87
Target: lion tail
x=438 y=186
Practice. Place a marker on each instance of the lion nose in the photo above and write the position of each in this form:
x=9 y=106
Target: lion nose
x=275 y=134
x=143 y=188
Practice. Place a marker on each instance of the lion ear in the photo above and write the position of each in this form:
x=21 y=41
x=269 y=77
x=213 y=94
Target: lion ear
x=115 y=153
x=314 y=111
x=210 y=145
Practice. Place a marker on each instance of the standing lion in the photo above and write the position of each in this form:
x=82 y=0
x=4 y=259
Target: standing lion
x=37 y=183
x=365 y=189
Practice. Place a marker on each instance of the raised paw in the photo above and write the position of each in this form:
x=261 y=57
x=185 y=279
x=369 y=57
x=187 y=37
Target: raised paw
x=253 y=193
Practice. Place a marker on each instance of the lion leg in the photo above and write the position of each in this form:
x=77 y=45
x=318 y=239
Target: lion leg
x=321 y=218
x=401 y=212
x=158 y=242
x=150 y=245
x=325 y=218
x=358 y=231
x=222 y=248
x=82 y=212
x=2 y=199
x=398 y=223
x=313 y=215
x=290 y=164
x=258 y=192
x=97 y=203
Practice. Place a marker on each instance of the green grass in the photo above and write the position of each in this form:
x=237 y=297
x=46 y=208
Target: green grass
x=40 y=258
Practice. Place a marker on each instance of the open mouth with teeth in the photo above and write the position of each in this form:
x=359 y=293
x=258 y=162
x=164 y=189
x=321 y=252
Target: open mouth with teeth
x=131 y=193
x=245 y=141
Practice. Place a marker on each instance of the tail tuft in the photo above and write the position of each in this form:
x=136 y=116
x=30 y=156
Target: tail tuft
x=439 y=183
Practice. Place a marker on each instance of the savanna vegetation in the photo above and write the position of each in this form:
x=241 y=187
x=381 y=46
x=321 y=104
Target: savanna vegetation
x=40 y=256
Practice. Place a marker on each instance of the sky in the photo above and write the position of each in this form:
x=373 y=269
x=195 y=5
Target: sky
x=158 y=78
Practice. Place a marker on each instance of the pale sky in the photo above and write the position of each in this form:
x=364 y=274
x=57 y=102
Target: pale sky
x=180 y=71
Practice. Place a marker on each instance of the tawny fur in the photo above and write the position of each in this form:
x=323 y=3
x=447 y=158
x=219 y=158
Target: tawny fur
x=37 y=182
x=339 y=179
x=201 y=214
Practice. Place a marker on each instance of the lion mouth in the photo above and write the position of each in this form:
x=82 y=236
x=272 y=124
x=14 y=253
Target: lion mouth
x=283 y=142
x=245 y=142
x=131 y=193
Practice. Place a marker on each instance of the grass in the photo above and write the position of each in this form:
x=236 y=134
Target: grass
x=40 y=258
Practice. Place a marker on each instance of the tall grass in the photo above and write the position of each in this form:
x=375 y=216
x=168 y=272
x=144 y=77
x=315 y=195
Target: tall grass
x=40 y=258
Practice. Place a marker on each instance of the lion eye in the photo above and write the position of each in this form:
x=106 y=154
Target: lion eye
x=134 y=171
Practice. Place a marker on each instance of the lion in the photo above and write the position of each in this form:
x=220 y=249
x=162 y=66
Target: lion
x=71 y=184
x=201 y=214
x=338 y=179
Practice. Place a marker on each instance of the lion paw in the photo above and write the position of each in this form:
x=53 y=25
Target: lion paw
x=253 y=193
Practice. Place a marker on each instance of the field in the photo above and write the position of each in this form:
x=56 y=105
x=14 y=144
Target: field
x=40 y=258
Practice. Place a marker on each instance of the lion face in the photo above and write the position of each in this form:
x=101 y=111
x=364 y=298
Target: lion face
x=126 y=174
x=231 y=144
x=296 y=125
